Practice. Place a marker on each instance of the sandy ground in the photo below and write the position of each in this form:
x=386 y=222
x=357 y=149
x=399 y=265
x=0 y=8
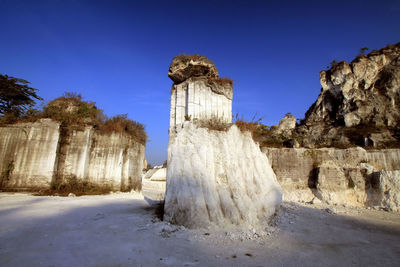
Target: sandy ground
x=121 y=230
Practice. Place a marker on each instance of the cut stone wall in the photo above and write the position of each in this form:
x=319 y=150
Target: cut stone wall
x=353 y=176
x=28 y=154
x=39 y=154
x=196 y=99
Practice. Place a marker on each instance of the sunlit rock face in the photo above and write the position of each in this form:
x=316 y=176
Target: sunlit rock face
x=197 y=92
x=218 y=178
x=353 y=176
x=28 y=152
x=363 y=95
x=33 y=155
x=214 y=178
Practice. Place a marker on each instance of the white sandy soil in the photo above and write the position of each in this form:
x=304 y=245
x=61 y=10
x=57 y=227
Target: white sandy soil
x=122 y=230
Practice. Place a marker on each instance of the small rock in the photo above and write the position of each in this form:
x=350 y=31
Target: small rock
x=330 y=210
x=316 y=200
x=71 y=195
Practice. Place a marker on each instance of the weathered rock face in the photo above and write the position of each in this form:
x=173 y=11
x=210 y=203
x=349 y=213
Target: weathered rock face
x=184 y=67
x=105 y=159
x=198 y=94
x=363 y=95
x=34 y=154
x=218 y=178
x=28 y=154
x=353 y=176
x=286 y=125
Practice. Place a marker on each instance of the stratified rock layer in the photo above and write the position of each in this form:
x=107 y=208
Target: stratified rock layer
x=218 y=178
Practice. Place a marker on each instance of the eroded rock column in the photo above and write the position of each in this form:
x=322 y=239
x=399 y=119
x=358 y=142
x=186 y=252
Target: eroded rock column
x=214 y=177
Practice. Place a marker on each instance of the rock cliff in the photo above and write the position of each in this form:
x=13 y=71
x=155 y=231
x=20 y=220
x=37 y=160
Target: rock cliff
x=358 y=107
x=28 y=152
x=358 y=104
x=353 y=176
x=33 y=155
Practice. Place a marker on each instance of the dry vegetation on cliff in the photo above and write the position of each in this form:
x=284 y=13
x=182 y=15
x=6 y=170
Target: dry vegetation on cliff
x=72 y=185
x=74 y=114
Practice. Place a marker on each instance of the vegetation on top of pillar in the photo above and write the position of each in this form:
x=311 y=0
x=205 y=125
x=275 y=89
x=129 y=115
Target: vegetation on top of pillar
x=221 y=81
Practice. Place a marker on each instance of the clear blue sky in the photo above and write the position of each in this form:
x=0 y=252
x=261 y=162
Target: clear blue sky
x=117 y=53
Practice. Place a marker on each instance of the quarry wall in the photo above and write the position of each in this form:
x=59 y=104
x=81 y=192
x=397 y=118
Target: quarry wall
x=32 y=155
x=195 y=99
x=352 y=176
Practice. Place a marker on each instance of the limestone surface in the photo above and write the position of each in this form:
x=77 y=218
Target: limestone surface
x=352 y=176
x=33 y=154
x=363 y=94
x=196 y=99
x=217 y=178
x=28 y=153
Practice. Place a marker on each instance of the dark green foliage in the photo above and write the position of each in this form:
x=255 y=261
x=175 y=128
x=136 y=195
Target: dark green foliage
x=16 y=97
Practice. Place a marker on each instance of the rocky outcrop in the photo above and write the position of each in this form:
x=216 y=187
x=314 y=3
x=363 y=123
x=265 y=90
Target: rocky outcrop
x=358 y=106
x=218 y=178
x=214 y=177
x=35 y=154
x=184 y=67
x=366 y=91
x=358 y=103
x=198 y=93
x=353 y=176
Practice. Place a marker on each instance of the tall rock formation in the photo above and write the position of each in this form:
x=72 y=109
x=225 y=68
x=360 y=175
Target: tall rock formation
x=214 y=177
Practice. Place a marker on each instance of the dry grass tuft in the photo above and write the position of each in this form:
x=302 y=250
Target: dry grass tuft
x=214 y=124
x=73 y=113
x=71 y=184
x=122 y=124
x=220 y=81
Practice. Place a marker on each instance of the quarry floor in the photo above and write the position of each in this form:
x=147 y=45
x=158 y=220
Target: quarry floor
x=121 y=230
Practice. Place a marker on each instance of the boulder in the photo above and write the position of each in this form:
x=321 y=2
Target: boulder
x=218 y=178
x=184 y=67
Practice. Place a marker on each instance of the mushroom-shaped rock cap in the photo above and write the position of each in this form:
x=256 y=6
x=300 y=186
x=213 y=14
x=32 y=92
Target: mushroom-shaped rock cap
x=185 y=66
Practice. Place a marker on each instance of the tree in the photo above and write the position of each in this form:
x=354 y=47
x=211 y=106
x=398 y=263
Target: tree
x=16 y=97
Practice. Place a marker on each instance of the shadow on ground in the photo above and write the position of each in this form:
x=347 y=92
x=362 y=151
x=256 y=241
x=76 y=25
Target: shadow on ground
x=123 y=230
